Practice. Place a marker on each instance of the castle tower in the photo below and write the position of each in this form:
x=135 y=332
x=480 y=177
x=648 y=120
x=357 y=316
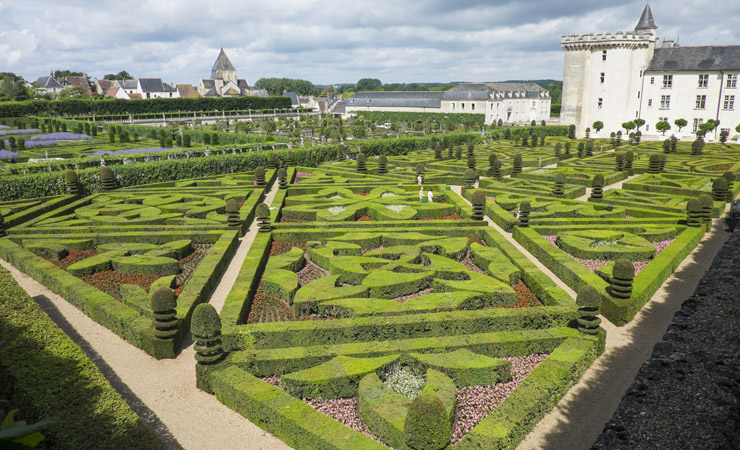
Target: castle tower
x=223 y=69
x=603 y=75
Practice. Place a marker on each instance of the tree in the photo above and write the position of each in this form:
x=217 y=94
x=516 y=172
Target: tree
x=598 y=126
x=72 y=92
x=13 y=88
x=663 y=126
x=122 y=75
x=680 y=123
x=369 y=84
x=629 y=126
x=639 y=123
x=277 y=86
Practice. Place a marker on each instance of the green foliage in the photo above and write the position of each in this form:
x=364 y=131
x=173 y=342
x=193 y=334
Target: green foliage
x=277 y=86
x=469 y=178
x=262 y=210
x=427 y=425
x=205 y=326
x=663 y=127
x=719 y=189
x=598 y=125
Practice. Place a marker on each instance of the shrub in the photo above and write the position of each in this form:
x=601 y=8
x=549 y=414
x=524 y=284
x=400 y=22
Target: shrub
x=572 y=131
x=524 y=209
x=581 y=148
x=214 y=139
x=629 y=156
x=271 y=160
x=517 y=169
x=694 y=213
x=719 y=189
x=469 y=178
x=471 y=151
x=186 y=141
x=559 y=188
x=2 y=226
x=383 y=164
x=437 y=151
x=232 y=211
x=21 y=143
x=479 y=205
x=667 y=146
x=259 y=175
x=497 y=169
x=706 y=209
x=207 y=139
x=70 y=178
x=263 y=217
x=163 y=305
x=427 y=425
x=206 y=329
x=590 y=148
x=107 y=179
x=557 y=150
x=282 y=175
x=361 y=163
x=589 y=300
x=597 y=185
x=654 y=165
x=458 y=153
x=621 y=280
x=290 y=159
x=730 y=177
x=471 y=163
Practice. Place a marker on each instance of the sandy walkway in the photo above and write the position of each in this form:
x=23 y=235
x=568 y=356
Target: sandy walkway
x=162 y=392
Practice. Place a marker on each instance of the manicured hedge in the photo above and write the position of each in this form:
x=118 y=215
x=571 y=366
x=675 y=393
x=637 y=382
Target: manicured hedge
x=74 y=107
x=45 y=374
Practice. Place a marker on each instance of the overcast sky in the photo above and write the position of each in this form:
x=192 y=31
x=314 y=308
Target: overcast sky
x=331 y=41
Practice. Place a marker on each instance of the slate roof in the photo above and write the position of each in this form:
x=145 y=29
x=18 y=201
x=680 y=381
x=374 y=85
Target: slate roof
x=646 y=21
x=104 y=84
x=152 y=85
x=187 y=91
x=222 y=64
x=401 y=102
x=128 y=84
x=211 y=93
x=80 y=82
x=49 y=83
x=242 y=83
x=208 y=83
x=675 y=59
x=293 y=98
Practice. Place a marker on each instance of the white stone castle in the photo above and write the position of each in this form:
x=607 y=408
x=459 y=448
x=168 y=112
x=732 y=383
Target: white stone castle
x=616 y=78
x=224 y=82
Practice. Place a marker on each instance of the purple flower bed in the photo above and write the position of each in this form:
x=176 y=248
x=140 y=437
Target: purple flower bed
x=8 y=154
x=34 y=144
x=474 y=403
x=62 y=136
x=131 y=150
x=26 y=131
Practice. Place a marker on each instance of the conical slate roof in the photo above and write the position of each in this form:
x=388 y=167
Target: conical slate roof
x=646 y=20
x=221 y=65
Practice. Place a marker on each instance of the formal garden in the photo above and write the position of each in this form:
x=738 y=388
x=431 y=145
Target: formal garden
x=390 y=295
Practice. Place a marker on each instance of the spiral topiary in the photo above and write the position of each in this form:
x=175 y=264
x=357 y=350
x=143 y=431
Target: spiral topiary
x=437 y=151
x=706 y=209
x=622 y=276
x=557 y=150
x=492 y=158
x=290 y=159
x=259 y=175
x=382 y=164
x=232 y=213
x=206 y=329
x=589 y=148
x=450 y=151
x=2 y=226
x=497 y=169
x=469 y=178
x=271 y=160
x=663 y=161
x=517 y=169
x=654 y=165
x=730 y=177
x=524 y=209
x=629 y=156
x=263 y=218
x=363 y=149
x=340 y=153
x=667 y=146
x=107 y=179
x=427 y=425
x=589 y=302
x=719 y=189
x=694 y=216
x=471 y=163
x=458 y=153
x=471 y=151
x=619 y=159
x=559 y=188
x=597 y=187
x=164 y=315
x=282 y=175
x=479 y=205
x=361 y=163
x=581 y=148
x=70 y=179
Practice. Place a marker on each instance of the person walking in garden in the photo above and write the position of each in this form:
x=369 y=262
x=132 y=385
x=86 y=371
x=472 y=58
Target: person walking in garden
x=430 y=196
x=421 y=193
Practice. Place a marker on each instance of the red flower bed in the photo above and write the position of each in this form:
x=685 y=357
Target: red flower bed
x=73 y=257
x=280 y=247
x=450 y=217
x=266 y=308
x=110 y=281
x=364 y=194
x=365 y=219
x=292 y=220
x=478 y=240
x=524 y=297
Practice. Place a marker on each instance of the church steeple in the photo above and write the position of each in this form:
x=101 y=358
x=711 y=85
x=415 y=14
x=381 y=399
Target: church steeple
x=222 y=68
x=646 y=22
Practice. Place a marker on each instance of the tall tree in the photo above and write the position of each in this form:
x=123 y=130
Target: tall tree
x=369 y=84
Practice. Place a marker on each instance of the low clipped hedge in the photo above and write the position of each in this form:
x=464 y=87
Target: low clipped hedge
x=44 y=374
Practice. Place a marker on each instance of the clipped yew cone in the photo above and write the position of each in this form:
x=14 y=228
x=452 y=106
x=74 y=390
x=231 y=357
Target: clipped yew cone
x=206 y=329
x=622 y=276
x=589 y=302
x=165 y=319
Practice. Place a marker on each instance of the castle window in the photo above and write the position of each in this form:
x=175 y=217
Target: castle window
x=703 y=81
x=729 y=103
x=601 y=78
x=600 y=103
x=701 y=101
x=732 y=80
x=462 y=106
x=652 y=80
x=697 y=123
x=453 y=105
x=638 y=94
x=472 y=106
x=650 y=102
x=665 y=102
x=667 y=81
x=603 y=55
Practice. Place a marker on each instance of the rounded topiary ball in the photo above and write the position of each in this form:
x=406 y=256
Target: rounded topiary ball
x=262 y=210
x=382 y=159
x=598 y=180
x=282 y=173
x=427 y=425
x=560 y=177
x=624 y=269
x=479 y=198
x=419 y=168
x=729 y=176
x=492 y=158
x=259 y=170
x=163 y=299
x=205 y=322
x=232 y=206
x=106 y=173
x=469 y=175
x=70 y=176
x=589 y=297
x=525 y=207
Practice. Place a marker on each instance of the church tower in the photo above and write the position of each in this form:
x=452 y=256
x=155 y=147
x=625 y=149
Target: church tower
x=603 y=75
x=223 y=69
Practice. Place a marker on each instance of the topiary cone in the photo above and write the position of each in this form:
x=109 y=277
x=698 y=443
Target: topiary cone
x=497 y=170
x=70 y=179
x=282 y=175
x=654 y=164
x=479 y=205
x=719 y=189
x=232 y=213
x=469 y=177
x=383 y=164
x=259 y=175
x=263 y=218
x=706 y=210
x=206 y=329
x=559 y=188
x=107 y=179
x=361 y=163
x=290 y=159
x=164 y=315
x=517 y=169
x=597 y=185
x=621 y=280
x=427 y=425
x=589 y=301
x=524 y=209
x=694 y=215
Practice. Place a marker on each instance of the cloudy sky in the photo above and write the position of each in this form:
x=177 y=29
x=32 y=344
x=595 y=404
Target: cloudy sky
x=331 y=41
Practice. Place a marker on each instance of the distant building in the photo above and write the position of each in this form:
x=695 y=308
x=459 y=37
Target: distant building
x=616 y=78
x=53 y=85
x=187 y=91
x=224 y=82
x=508 y=102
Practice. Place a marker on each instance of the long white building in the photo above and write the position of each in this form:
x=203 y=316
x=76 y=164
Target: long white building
x=619 y=77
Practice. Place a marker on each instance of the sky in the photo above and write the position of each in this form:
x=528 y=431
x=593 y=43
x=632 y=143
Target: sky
x=331 y=41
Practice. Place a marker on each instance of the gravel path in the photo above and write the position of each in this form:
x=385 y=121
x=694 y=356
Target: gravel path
x=162 y=392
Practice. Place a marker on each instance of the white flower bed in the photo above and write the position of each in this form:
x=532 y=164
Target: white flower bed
x=388 y=194
x=337 y=209
x=396 y=208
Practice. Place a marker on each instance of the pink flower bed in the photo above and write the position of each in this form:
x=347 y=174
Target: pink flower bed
x=303 y=174
x=343 y=410
x=371 y=249
x=405 y=298
x=474 y=403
